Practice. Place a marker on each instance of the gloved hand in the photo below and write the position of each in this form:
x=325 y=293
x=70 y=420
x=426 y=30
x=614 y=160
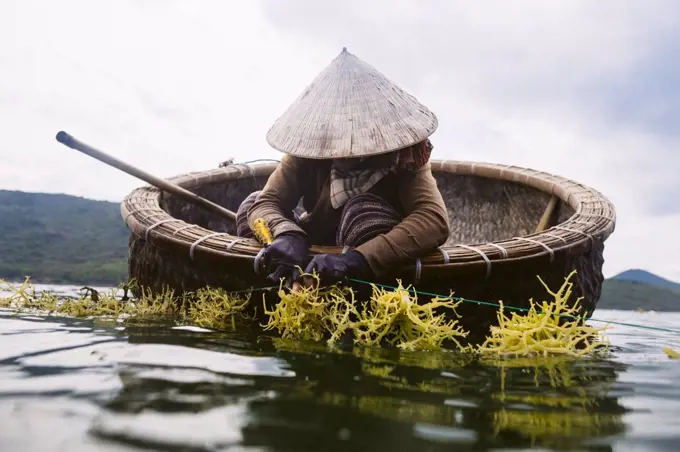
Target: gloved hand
x=332 y=268
x=286 y=251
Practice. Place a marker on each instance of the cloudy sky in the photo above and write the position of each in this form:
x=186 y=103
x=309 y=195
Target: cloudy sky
x=589 y=90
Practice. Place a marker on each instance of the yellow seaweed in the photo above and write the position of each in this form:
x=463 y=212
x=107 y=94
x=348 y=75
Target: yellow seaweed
x=391 y=316
x=311 y=313
x=546 y=329
x=672 y=354
x=215 y=308
x=212 y=308
x=396 y=317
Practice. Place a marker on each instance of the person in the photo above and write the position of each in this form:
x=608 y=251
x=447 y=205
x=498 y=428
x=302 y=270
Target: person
x=355 y=174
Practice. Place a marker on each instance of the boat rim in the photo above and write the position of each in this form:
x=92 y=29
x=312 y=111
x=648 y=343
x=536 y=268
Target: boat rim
x=594 y=218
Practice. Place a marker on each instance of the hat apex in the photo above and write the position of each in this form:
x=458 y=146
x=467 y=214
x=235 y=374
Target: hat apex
x=351 y=110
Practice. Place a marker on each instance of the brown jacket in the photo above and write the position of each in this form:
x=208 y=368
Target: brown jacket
x=414 y=194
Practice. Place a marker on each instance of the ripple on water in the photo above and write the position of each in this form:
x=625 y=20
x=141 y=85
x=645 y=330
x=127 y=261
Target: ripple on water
x=213 y=429
x=83 y=386
x=172 y=356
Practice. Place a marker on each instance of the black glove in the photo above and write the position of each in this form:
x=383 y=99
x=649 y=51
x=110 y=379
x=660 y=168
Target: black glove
x=287 y=251
x=332 y=268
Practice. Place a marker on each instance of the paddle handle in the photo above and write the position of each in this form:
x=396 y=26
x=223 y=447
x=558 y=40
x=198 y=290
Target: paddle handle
x=68 y=140
x=547 y=214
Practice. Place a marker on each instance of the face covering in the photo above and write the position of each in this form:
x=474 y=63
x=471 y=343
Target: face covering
x=349 y=179
x=352 y=176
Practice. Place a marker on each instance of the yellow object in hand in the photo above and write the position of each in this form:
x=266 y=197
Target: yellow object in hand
x=262 y=232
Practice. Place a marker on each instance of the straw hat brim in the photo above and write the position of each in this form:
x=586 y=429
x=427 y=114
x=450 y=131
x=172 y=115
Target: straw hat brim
x=351 y=110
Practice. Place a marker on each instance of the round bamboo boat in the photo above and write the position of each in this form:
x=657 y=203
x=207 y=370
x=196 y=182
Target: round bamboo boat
x=494 y=251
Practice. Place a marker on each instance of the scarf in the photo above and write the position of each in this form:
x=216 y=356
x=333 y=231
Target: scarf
x=348 y=183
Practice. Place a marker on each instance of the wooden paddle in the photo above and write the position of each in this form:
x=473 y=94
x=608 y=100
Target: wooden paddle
x=548 y=214
x=68 y=140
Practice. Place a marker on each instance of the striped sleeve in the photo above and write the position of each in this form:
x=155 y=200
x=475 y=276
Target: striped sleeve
x=425 y=227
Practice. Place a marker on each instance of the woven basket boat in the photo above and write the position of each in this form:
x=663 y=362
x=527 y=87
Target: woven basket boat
x=493 y=252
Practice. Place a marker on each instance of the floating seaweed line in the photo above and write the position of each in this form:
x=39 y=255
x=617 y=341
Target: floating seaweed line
x=206 y=307
x=391 y=316
x=394 y=317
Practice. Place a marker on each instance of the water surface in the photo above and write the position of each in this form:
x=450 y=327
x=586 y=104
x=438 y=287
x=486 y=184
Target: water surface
x=74 y=384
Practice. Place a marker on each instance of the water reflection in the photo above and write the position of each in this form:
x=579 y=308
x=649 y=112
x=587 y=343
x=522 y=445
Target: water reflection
x=298 y=395
x=557 y=401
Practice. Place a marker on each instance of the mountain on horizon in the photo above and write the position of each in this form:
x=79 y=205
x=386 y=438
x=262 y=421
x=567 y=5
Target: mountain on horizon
x=57 y=238
x=643 y=276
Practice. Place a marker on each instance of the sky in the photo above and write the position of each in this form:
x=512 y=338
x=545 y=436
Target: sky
x=587 y=90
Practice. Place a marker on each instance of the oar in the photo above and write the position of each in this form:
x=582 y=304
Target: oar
x=548 y=214
x=264 y=235
x=68 y=140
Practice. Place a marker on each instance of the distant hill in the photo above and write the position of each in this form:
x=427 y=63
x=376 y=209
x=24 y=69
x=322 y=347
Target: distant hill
x=61 y=239
x=623 y=294
x=643 y=276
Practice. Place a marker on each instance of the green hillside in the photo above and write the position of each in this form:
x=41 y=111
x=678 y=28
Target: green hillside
x=61 y=239
x=622 y=294
x=644 y=276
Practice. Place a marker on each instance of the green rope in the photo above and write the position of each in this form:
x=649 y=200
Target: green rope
x=516 y=308
x=483 y=303
x=257 y=289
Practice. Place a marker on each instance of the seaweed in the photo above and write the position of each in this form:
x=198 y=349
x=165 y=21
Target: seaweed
x=207 y=307
x=672 y=354
x=393 y=317
x=311 y=312
x=217 y=309
x=547 y=328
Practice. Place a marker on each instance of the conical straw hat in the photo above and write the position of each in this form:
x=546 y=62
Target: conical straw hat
x=351 y=110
